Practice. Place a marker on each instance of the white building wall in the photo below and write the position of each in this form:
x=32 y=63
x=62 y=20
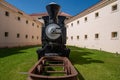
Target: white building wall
x=107 y=22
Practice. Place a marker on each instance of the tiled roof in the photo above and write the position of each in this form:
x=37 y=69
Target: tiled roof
x=45 y=14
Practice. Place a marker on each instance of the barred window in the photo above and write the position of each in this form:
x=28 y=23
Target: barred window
x=7 y=13
x=85 y=37
x=78 y=22
x=114 y=35
x=18 y=18
x=37 y=37
x=67 y=26
x=37 y=26
x=26 y=21
x=26 y=36
x=6 y=34
x=18 y=35
x=78 y=37
x=97 y=14
x=67 y=38
x=85 y=19
x=114 y=7
x=71 y=37
x=71 y=24
x=32 y=24
x=96 y=36
x=32 y=37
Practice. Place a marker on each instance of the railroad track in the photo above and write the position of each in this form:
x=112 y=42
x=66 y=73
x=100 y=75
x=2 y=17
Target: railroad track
x=53 y=68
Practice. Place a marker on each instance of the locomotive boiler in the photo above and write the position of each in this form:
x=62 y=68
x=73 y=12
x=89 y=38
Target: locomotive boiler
x=53 y=34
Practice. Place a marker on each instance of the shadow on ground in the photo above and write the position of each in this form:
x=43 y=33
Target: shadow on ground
x=82 y=57
x=4 y=52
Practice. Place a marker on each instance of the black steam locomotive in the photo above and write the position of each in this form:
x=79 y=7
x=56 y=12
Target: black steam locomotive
x=53 y=34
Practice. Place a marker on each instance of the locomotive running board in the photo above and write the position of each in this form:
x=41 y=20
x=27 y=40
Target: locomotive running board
x=53 y=68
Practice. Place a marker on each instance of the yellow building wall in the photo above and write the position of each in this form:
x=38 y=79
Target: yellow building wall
x=13 y=26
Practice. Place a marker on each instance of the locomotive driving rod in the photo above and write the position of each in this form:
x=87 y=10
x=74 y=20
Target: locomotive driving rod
x=53 y=68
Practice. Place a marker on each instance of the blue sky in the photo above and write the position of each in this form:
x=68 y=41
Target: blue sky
x=71 y=7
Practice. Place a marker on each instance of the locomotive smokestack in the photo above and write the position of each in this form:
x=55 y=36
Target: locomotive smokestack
x=53 y=10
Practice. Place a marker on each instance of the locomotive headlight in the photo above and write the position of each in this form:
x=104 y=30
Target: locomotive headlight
x=53 y=31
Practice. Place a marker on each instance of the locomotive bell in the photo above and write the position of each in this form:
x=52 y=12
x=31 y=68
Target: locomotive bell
x=53 y=10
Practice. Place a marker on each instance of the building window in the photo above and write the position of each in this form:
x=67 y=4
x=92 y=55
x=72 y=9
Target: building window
x=37 y=26
x=66 y=38
x=77 y=22
x=32 y=24
x=71 y=37
x=67 y=26
x=114 y=7
x=114 y=35
x=39 y=18
x=7 y=13
x=77 y=37
x=18 y=35
x=18 y=18
x=96 y=14
x=96 y=36
x=71 y=24
x=37 y=37
x=85 y=37
x=26 y=36
x=6 y=34
x=85 y=19
x=32 y=37
x=20 y=12
x=26 y=21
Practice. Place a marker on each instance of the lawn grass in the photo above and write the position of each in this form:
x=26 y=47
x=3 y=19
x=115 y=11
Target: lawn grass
x=95 y=65
x=15 y=61
x=91 y=64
